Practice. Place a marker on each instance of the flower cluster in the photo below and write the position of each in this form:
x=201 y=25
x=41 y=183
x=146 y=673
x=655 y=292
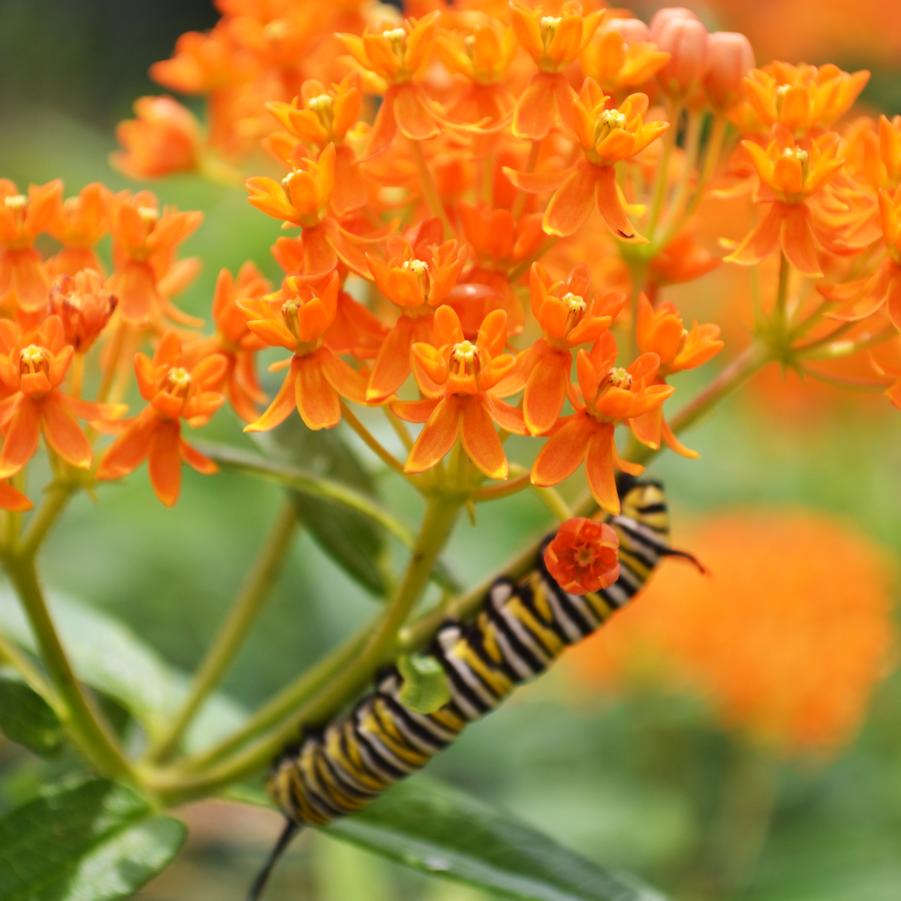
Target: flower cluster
x=783 y=653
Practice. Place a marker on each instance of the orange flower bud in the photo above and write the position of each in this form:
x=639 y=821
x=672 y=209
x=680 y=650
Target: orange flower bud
x=729 y=58
x=663 y=17
x=686 y=42
x=83 y=305
x=583 y=556
x=164 y=138
x=632 y=31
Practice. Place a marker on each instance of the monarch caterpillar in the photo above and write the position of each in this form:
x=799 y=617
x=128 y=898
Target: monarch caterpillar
x=519 y=629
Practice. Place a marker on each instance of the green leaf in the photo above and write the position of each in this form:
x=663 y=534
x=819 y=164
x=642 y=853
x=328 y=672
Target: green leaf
x=111 y=658
x=425 y=686
x=26 y=718
x=444 y=832
x=94 y=840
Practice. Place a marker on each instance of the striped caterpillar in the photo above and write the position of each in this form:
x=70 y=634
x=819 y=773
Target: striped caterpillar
x=519 y=629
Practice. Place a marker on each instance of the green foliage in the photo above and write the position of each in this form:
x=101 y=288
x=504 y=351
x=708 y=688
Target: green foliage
x=26 y=718
x=425 y=687
x=94 y=840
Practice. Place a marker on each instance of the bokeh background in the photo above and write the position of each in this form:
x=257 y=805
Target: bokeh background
x=740 y=739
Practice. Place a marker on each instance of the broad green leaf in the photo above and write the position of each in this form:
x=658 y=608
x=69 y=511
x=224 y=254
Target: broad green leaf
x=26 y=718
x=95 y=840
x=439 y=830
x=425 y=687
x=112 y=659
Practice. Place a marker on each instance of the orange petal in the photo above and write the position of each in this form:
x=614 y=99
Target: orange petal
x=564 y=451
x=11 y=499
x=280 y=409
x=196 y=460
x=392 y=365
x=599 y=468
x=341 y=376
x=480 y=440
x=130 y=449
x=762 y=240
x=610 y=205
x=536 y=110
x=411 y=114
x=21 y=440
x=317 y=401
x=165 y=462
x=437 y=436
x=572 y=203
x=63 y=434
x=798 y=242
x=545 y=392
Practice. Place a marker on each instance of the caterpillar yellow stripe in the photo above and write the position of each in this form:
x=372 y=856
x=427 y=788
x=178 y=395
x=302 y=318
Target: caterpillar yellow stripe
x=518 y=631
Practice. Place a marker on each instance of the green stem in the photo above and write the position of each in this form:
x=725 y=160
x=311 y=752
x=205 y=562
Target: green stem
x=58 y=495
x=82 y=718
x=372 y=442
x=660 y=186
x=246 y=608
x=438 y=522
x=33 y=678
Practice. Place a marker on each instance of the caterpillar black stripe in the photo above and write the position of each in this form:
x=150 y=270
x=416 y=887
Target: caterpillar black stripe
x=519 y=630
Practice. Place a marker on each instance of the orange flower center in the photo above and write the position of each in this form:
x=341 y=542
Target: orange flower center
x=575 y=309
x=397 y=41
x=465 y=358
x=618 y=378
x=548 y=26
x=178 y=381
x=32 y=359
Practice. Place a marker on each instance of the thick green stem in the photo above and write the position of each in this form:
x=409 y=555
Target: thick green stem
x=58 y=495
x=33 y=678
x=233 y=632
x=83 y=720
x=438 y=522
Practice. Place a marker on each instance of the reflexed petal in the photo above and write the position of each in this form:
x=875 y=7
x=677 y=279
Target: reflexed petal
x=11 y=499
x=599 y=468
x=63 y=434
x=196 y=460
x=392 y=365
x=762 y=240
x=480 y=440
x=536 y=109
x=317 y=401
x=798 y=242
x=611 y=206
x=21 y=440
x=411 y=114
x=342 y=376
x=130 y=449
x=572 y=203
x=545 y=392
x=165 y=462
x=564 y=451
x=437 y=436
x=281 y=407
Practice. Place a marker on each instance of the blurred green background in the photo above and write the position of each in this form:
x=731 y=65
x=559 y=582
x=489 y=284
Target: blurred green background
x=633 y=782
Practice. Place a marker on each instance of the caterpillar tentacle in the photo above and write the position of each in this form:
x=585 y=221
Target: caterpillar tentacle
x=520 y=629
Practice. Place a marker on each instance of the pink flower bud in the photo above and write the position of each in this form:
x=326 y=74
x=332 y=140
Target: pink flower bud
x=632 y=31
x=686 y=42
x=729 y=58
x=669 y=13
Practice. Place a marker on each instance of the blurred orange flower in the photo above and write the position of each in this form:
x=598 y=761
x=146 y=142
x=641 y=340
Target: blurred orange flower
x=583 y=556
x=787 y=637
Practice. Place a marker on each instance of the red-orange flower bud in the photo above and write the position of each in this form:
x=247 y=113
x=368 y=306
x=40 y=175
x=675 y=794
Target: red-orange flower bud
x=729 y=58
x=83 y=305
x=632 y=31
x=583 y=556
x=164 y=138
x=663 y=17
x=686 y=42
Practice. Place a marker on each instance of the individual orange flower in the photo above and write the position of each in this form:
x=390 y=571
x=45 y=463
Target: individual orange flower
x=607 y=394
x=661 y=331
x=303 y=198
x=790 y=175
x=583 y=556
x=417 y=278
x=457 y=377
x=297 y=318
x=144 y=244
x=622 y=55
x=782 y=651
x=23 y=281
x=234 y=341
x=863 y=297
x=553 y=42
x=569 y=315
x=163 y=139
x=683 y=259
x=802 y=97
x=83 y=305
x=78 y=224
x=33 y=366
x=203 y=63
x=397 y=55
x=320 y=116
x=175 y=389
x=607 y=136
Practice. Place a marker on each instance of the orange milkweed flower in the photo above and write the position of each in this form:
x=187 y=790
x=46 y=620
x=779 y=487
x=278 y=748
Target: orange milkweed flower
x=144 y=244
x=417 y=278
x=583 y=556
x=864 y=297
x=606 y=394
x=789 y=176
x=175 y=388
x=163 y=139
x=33 y=366
x=607 y=136
x=84 y=307
x=622 y=55
x=802 y=97
x=661 y=331
x=303 y=198
x=23 y=280
x=794 y=654
x=457 y=378
x=297 y=318
x=397 y=55
x=682 y=259
x=569 y=315
x=79 y=223
x=553 y=42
